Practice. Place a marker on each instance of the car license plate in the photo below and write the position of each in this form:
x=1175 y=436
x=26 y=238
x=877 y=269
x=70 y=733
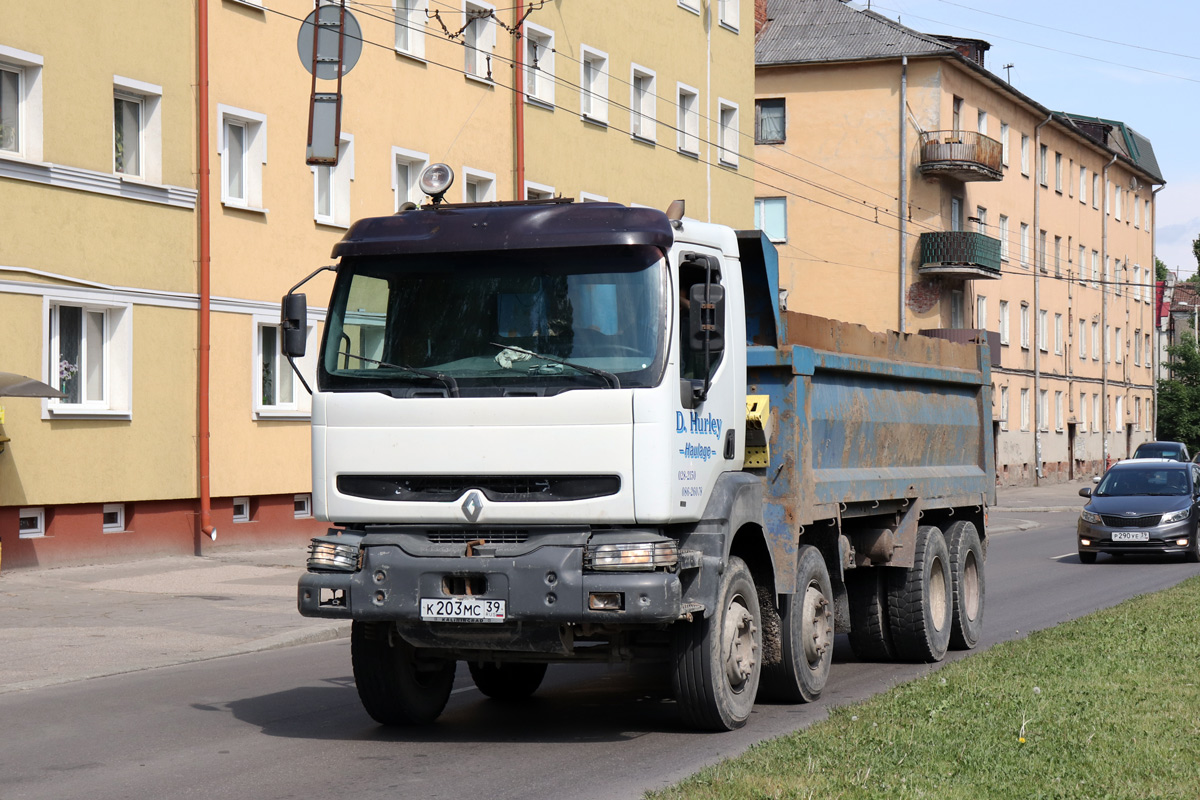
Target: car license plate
x=1131 y=536
x=461 y=609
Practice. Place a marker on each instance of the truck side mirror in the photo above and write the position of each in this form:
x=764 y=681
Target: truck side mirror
x=293 y=322
x=707 y=317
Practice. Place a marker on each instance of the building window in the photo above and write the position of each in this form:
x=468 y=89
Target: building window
x=643 y=103
x=1025 y=245
x=1137 y=347
x=956 y=308
x=1095 y=190
x=243 y=150
x=1137 y=413
x=1120 y=346
x=241 y=509
x=1004 y=143
x=688 y=103
x=1082 y=183
x=20 y=103
x=1025 y=155
x=1043 y=156
x=89 y=358
x=770 y=217
x=1041 y=330
x=592 y=197
x=1003 y=408
x=1137 y=212
x=538 y=191
x=1058 y=173
x=137 y=129
x=478 y=186
x=1058 y=334
x=410 y=27
x=1083 y=412
x=31 y=523
x=770 y=121
x=479 y=38
x=956 y=107
x=1058 y=411
x=127 y=135
x=1024 y=409
x=1146 y=214
x=1117 y=203
x=1004 y=237
x=539 y=64
x=1043 y=410
x=1070 y=172
x=1025 y=326
x=982 y=123
x=407 y=166
x=1116 y=278
x=727 y=132
x=1003 y=322
x=1119 y=421
x=690 y=5
x=594 y=85
x=1095 y=341
x=331 y=186
x=1058 y=256
x=981 y=312
x=728 y=12
x=302 y=506
x=277 y=393
x=1095 y=268
x=1082 y=346
x=1096 y=412
x=1042 y=250
x=1108 y=348
x=114 y=517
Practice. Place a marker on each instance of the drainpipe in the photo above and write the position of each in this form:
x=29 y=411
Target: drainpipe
x=519 y=111
x=1154 y=283
x=1038 y=257
x=1104 y=421
x=903 y=191
x=202 y=200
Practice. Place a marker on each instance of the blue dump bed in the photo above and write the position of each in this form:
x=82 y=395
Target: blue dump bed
x=862 y=421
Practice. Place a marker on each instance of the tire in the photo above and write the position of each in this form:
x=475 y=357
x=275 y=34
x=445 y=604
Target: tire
x=870 y=631
x=1193 y=552
x=967 y=583
x=716 y=660
x=806 y=635
x=920 y=600
x=1087 y=558
x=507 y=680
x=395 y=685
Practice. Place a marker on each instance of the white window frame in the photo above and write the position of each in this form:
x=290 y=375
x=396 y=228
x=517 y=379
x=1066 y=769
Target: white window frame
x=118 y=358
x=149 y=96
x=340 y=178
x=728 y=14
x=727 y=132
x=981 y=121
x=1043 y=166
x=1004 y=143
x=981 y=312
x=687 y=120
x=479 y=178
x=28 y=67
x=1004 y=237
x=1025 y=154
x=37 y=513
x=300 y=406
x=1082 y=340
x=592 y=197
x=1043 y=409
x=113 y=527
x=537 y=191
x=1058 y=411
x=1003 y=408
x=643 y=110
x=1095 y=268
x=416 y=162
x=302 y=506
x=1003 y=320
x=254 y=158
x=1137 y=212
x=1096 y=190
x=1120 y=345
x=1025 y=409
x=760 y=208
x=479 y=39
x=1096 y=341
x=1042 y=333
x=1058 y=172
x=539 y=79
x=1083 y=184
x=1058 y=334
x=690 y=5
x=1025 y=245
x=593 y=88
x=1024 y=326
x=410 y=22
x=1096 y=412
x=1083 y=412
x=1117 y=203
x=244 y=502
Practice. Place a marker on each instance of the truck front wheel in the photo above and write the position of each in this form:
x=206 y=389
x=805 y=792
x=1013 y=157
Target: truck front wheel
x=806 y=634
x=508 y=680
x=397 y=686
x=920 y=600
x=716 y=660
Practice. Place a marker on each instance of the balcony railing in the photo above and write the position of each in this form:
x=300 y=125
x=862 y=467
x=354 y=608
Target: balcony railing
x=969 y=336
x=960 y=254
x=965 y=155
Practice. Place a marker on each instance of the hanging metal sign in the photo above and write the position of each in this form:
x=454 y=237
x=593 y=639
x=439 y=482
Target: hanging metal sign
x=329 y=45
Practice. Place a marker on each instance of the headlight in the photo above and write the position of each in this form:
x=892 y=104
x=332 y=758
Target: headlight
x=326 y=555
x=632 y=556
x=1176 y=516
x=1090 y=517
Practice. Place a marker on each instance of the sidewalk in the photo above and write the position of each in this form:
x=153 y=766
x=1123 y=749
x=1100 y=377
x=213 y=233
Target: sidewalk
x=73 y=623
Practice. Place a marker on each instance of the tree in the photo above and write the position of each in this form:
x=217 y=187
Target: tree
x=1179 y=395
x=1196 y=252
x=1160 y=269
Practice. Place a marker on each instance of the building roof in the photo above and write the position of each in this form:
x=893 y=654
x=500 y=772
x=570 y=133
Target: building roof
x=808 y=31
x=1123 y=138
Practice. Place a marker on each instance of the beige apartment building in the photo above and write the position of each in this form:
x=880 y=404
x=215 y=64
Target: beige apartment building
x=159 y=205
x=910 y=188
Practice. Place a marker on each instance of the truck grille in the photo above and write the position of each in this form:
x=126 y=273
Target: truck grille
x=487 y=536
x=1148 y=521
x=498 y=489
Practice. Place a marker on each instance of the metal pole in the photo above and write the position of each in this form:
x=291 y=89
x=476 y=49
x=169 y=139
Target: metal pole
x=903 y=192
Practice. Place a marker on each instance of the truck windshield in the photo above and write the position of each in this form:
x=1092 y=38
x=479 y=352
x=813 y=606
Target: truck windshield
x=480 y=322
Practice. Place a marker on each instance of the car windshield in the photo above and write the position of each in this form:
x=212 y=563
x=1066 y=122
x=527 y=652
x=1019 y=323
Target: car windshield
x=1143 y=481
x=1158 y=451
x=497 y=323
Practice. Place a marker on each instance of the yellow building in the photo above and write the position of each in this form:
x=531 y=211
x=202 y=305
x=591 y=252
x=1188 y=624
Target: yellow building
x=125 y=262
x=909 y=188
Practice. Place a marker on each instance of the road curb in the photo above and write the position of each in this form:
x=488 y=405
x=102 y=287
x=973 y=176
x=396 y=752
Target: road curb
x=1024 y=509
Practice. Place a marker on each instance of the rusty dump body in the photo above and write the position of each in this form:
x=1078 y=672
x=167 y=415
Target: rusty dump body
x=869 y=432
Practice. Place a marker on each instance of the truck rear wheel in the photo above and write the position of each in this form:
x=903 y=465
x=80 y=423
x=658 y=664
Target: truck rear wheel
x=507 y=680
x=716 y=660
x=966 y=578
x=806 y=634
x=920 y=601
x=397 y=686
x=870 y=631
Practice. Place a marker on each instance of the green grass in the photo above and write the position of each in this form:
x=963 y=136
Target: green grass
x=1107 y=706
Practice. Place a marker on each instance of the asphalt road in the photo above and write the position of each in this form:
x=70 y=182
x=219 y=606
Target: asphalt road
x=287 y=723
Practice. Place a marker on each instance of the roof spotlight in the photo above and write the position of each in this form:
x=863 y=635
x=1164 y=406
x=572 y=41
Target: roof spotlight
x=435 y=180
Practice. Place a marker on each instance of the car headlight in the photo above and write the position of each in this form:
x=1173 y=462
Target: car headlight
x=632 y=556
x=1090 y=517
x=1175 y=516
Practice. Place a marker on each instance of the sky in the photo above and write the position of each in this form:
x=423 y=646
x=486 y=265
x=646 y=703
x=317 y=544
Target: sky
x=1116 y=59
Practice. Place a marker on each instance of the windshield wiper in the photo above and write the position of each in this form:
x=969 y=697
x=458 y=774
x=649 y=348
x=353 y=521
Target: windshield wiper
x=451 y=384
x=608 y=376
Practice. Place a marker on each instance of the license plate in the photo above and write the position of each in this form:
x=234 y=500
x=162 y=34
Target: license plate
x=461 y=609
x=1131 y=536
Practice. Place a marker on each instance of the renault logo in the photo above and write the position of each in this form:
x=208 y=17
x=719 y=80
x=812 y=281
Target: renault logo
x=472 y=506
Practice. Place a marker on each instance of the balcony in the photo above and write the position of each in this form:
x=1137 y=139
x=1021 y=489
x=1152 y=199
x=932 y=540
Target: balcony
x=965 y=155
x=968 y=336
x=960 y=254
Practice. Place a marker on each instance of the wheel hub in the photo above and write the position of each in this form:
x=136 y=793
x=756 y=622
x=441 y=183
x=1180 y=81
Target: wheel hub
x=741 y=654
x=817 y=633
